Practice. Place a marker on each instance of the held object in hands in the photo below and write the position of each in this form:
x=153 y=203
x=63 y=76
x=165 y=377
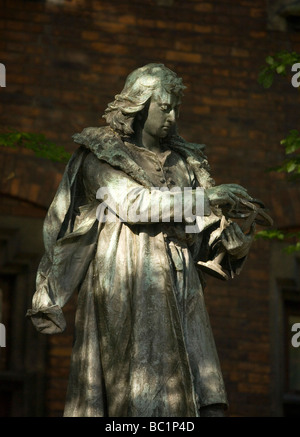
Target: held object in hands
x=247 y=212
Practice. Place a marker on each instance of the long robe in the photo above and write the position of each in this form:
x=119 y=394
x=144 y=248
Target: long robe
x=143 y=344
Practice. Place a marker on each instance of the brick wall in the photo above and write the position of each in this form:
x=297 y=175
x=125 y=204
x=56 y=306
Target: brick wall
x=66 y=62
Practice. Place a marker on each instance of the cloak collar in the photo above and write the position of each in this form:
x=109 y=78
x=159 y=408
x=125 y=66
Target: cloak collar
x=109 y=147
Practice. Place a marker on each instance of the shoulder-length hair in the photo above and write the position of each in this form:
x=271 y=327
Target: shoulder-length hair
x=140 y=85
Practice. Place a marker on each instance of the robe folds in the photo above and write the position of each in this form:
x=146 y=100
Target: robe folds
x=143 y=344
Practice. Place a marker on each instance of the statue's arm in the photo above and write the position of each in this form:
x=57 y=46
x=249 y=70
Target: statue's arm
x=131 y=201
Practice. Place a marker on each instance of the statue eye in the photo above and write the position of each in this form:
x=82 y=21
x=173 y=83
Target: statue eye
x=165 y=108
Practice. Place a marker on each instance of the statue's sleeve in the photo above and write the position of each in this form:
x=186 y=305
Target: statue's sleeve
x=67 y=254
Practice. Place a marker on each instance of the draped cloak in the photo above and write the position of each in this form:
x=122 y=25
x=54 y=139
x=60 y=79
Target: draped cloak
x=143 y=344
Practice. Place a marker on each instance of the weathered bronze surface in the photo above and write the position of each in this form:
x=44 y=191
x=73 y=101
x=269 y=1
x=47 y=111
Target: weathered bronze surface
x=143 y=342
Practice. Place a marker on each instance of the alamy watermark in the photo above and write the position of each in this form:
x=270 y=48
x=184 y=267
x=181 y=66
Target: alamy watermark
x=2 y=75
x=296 y=77
x=2 y=335
x=296 y=337
x=153 y=205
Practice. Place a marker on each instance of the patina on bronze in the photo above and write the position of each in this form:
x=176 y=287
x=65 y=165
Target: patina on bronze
x=143 y=344
x=250 y=213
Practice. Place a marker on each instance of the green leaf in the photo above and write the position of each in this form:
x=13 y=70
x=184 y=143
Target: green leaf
x=291 y=142
x=290 y=166
x=277 y=63
x=270 y=234
x=292 y=248
x=266 y=78
x=37 y=143
x=280 y=69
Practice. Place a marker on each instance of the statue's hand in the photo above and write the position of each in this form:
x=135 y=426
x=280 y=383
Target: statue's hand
x=235 y=241
x=226 y=194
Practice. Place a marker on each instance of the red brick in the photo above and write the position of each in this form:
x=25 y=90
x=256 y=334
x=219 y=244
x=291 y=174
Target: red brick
x=204 y=7
x=90 y=35
x=109 y=48
x=184 y=57
x=127 y=19
x=201 y=110
x=252 y=388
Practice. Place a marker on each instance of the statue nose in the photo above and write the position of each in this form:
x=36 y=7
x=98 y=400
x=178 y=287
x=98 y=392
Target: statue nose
x=172 y=116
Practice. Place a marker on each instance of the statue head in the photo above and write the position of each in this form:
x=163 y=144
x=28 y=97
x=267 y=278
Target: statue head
x=151 y=81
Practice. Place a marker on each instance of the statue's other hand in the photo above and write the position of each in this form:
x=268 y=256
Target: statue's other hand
x=226 y=194
x=235 y=241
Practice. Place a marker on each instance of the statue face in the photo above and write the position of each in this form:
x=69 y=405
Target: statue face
x=162 y=114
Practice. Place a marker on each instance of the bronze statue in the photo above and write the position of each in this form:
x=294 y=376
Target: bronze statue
x=143 y=343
